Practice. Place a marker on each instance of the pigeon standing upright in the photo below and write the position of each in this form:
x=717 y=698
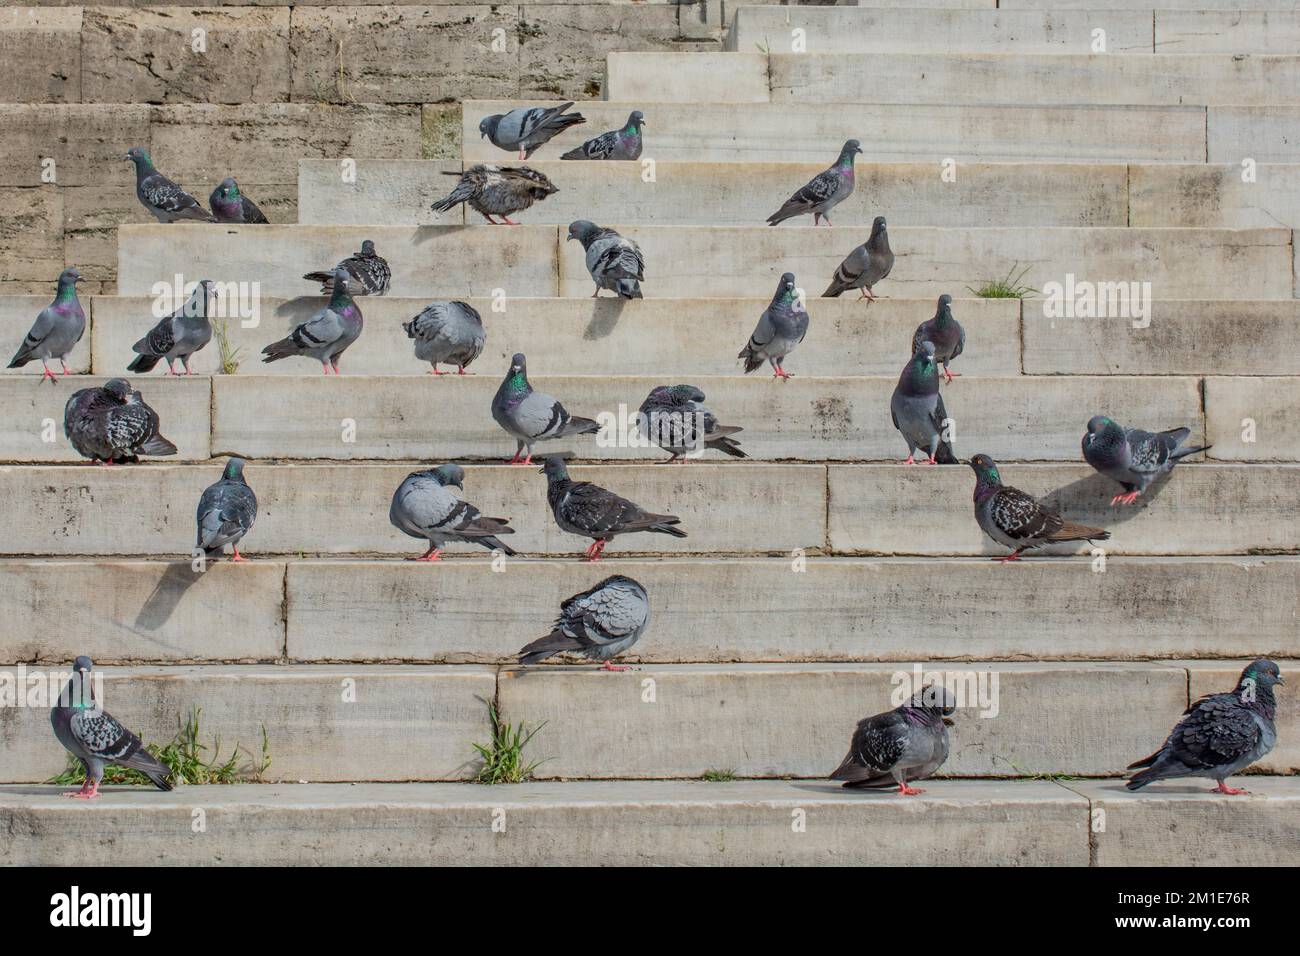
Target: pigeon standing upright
x=113 y=424
x=864 y=266
x=529 y=416
x=230 y=205
x=944 y=333
x=907 y=743
x=528 y=127
x=227 y=510
x=624 y=143
x=423 y=508
x=326 y=334
x=497 y=191
x=823 y=192
x=447 y=332
x=179 y=335
x=780 y=328
x=916 y=408
x=615 y=263
x=164 y=200
x=1014 y=519
x=57 y=329
x=591 y=511
x=1133 y=457
x=367 y=271
x=598 y=624
x=673 y=419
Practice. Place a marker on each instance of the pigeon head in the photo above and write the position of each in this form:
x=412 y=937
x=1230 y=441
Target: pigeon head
x=138 y=156
x=934 y=702
x=339 y=287
x=228 y=189
x=367 y=248
x=878 y=227
x=850 y=149
x=488 y=125
x=583 y=231
x=120 y=389
x=986 y=470
x=786 y=291
x=542 y=187
x=635 y=120
x=450 y=474
x=69 y=276
x=83 y=664
x=554 y=469
x=683 y=393
x=1263 y=673
x=1100 y=423
x=945 y=305
x=80 y=691
x=1103 y=432
x=921 y=377
x=234 y=470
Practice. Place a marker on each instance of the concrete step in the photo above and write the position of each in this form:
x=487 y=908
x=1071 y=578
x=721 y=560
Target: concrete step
x=1235 y=195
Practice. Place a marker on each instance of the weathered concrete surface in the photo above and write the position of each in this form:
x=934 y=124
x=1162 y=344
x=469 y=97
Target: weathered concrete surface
x=85 y=141
x=31 y=240
x=687 y=78
x=1215 y=195
x=1164 y=4
x=40 y=54
x=1253 y=419
x=1266 y=134
x=394 y=192
x=1208 y=677
x=1227 y=31
x=18 y=312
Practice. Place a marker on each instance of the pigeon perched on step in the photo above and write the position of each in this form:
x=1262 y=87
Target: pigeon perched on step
x=96 y=738
x=780 y=328
x=448 y=332
x=614 y=263
x=1133 y=457
x=673 y=418
x=179 y=335
x=944 y=333
x=916 y=409
x=865 y=266
x=624 y=143
x=367 y=271
x=112 y=424
x=907 y=743
x=1014 y=519
x=328 y=333
x=529 y=416
x=598 y=624
x=164 y=200
x=57 y=329
x=1220 y=734
x=823 y=192
x=227 y=510
x=528 y=127
x=423 y=507
x=497 y=191
x=591 y=511
x=230 y=205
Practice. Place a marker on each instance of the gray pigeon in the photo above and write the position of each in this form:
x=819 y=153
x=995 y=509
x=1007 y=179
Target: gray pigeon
x=227 y=510
x=907 y=743
x=57 y=329
x=326 y=334
x=780 y=328
x=367 y=271
x=95 y=738
x=1220 y=734
x=865 y=266
x=598 y=624
x=423 y=508
x=447 y=332
x=591 y=511
x=673 y=419
x=823 y=192
x=1133 y=457
x=113 y=424
x=529 y=416
x=164 y=200
x=497 y=191
x=528 y=127
x=916 y=408
x=179 y=335
x=230 y=205
x=614 y=263
x=1014 y=519
x=944 y=333
x=622 y=143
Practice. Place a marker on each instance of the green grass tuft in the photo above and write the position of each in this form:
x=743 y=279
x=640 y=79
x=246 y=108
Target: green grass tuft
x=719 y=776
x=227 y=352
x=503 y=760
x=1005 y=288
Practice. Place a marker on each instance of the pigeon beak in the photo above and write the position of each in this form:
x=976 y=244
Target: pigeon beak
x=1280 y=680
x=947 y=721
x=542 y=470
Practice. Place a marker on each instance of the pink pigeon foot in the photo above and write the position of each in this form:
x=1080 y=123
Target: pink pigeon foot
x=1230 y=791
x=905 y=791
x=1125 y=499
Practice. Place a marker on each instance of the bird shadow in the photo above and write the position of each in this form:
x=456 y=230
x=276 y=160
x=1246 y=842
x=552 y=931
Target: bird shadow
x=605 y=314
x=298 y=310
x=166 y=596
x=1087 y=501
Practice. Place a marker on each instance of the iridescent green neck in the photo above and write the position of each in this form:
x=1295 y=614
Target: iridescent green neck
x=67 y=292
x=518 y=382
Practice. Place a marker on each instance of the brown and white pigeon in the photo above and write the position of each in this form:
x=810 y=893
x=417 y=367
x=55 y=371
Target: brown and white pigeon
x=447 y=332
x=497 y=191
x=1014 y=519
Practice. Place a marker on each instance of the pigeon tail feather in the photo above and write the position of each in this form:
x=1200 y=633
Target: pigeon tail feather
x=1069 y=531
x=144 y=363
x=157 y=445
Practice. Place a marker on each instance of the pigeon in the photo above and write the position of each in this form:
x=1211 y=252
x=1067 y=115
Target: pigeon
x=497 y=191
x=599 y=624
x=227 y=510
x=327 y=333
x=530 y=416
x=593 y=512
x=1014 y=519
x=622 y=143
x=824 y=191
x=368 y=273
x=1220 y=734
x=673 y=419
x=180 y=335
x=95 y=737
x=780 y=328
x=57 y=329
x=907 y=743
x=865 y=266
x=916 y=408
x=945 y=333
x=423 y=508
x=615 y=263
x=113 y=424
x=164 y=200
x=528 y=127
x=447 y=332
x=230 y=205
x=1133 y=457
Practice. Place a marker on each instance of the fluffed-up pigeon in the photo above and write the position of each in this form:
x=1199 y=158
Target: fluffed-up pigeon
x=497 y=191
x=907 y=743
x=423 y=507
x=112 y=424
x=598 y=624
x=673 y=418
x=448 y=332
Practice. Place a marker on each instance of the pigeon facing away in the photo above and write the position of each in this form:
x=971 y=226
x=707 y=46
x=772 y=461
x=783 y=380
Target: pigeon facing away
x=622 y=143
x=113 y=424
x=178 y=336
x=907 y=743
x=1220 y=734
x=326 y=334
x=944 y=333
x=368 y=273
x=164 y=200
x=95 y=737
x=1014 y=519
x=447 y=332
x=865 y=266
x=593 y=512
x=227 y=510
x=529 y=416
x=673 y=419
x=1134 y=457
x=57 y=329
x=497 y=191
x=780 y=328
x=823 y=192
x=615 y=263
x=916 y=408
x=529 y=127
x=598 y=624
x=230 y=205
x=423 y=508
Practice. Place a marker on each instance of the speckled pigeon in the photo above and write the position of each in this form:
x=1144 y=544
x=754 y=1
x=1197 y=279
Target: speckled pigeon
x=1133 y=457
x=528 y=127
x=1014 y=519
x=624 y=143
x=448 y=332
x=326 y=334
x=164 y=200
x=823 y=192
x=591 y=511
x=423 y=507
x=497 y=191
x=113 y=424
x=179 y=335
x=673 y=419
x=598 y=624
x=944 y=333
x=529 y=416
x=780 y=328
x=614 y=263
x=907 y=743
x=57 y=329
x=367 y=271
x=865 y=266
x=226 y=512
x=230 y=205
x=916 y=409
